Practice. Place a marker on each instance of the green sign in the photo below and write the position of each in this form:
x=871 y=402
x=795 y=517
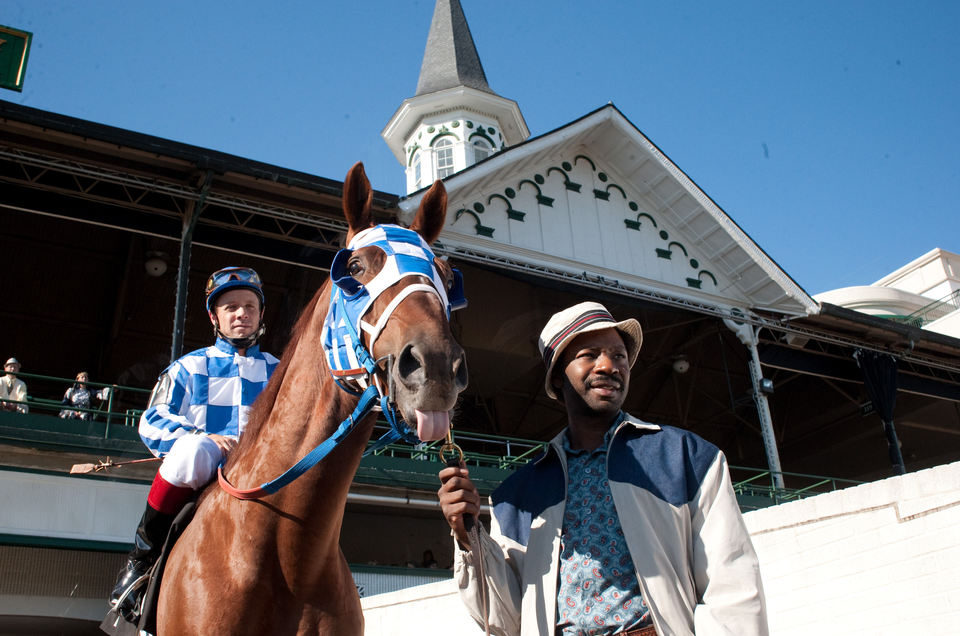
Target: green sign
x=14 y=50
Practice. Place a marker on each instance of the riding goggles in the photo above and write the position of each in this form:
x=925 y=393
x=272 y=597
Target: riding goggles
x=407 y=255
x=231 y=278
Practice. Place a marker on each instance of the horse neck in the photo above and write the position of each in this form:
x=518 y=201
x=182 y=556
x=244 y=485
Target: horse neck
x=306 y=409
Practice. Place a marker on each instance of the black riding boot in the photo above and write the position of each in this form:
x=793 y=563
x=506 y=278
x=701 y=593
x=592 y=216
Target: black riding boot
x=148 y=542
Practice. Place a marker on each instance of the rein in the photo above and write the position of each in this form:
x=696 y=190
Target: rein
x=364 y=406
x=349 y=360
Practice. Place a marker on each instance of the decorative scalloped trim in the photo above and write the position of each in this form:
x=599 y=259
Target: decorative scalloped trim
x=564 y=169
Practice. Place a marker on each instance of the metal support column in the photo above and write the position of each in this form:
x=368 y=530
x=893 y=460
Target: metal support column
x=183 y=268
x=766 y=421
x=748 y=336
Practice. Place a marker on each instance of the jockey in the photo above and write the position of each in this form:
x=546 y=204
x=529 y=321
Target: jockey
x=197 y=412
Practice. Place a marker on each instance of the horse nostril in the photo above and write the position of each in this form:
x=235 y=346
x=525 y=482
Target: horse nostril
x=409 y=363
x=460 y=371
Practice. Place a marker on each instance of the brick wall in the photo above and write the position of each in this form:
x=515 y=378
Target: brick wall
x=880 y=558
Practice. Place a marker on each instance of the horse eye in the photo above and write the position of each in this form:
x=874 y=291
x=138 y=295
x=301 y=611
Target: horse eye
x=354 y=268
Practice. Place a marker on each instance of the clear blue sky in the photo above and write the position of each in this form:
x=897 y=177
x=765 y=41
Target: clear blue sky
x=828 y=130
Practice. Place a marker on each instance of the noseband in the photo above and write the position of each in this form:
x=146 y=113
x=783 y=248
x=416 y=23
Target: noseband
x=351 y=363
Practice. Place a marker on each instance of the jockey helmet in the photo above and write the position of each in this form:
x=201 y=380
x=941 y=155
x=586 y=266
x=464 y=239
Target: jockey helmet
x=233 y=278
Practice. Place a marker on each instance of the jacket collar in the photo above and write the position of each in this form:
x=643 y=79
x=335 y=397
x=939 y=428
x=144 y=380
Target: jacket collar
x=228 y=348
x=555 y=445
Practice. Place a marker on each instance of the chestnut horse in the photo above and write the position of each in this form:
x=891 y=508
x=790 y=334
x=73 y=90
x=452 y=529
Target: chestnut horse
x=273 y=565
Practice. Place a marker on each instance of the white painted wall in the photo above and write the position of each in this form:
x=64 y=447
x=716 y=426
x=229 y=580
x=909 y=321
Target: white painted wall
x=934 y=275
x=881 y=558
x=91 y=509
x=949 y=325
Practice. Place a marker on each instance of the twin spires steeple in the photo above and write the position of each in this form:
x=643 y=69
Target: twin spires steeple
x=455 y=119
x=450 y=59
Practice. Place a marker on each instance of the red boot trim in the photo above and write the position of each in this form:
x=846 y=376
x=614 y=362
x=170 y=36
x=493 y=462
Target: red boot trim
x=165 y=497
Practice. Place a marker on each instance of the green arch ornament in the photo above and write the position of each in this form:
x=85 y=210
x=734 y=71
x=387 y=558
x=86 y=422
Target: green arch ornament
x=514 y=215
x=480 y=228
x=542 y=200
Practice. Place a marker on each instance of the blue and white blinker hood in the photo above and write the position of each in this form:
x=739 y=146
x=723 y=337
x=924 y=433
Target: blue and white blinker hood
x=350 y=362
x=407 y=255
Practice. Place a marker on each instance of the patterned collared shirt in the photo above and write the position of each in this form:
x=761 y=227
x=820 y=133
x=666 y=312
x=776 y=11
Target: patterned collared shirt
x=209 y=390
x=598 y=591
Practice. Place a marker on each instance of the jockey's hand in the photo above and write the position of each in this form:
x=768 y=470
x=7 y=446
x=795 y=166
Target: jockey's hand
x=458 y=496
x=225 y=444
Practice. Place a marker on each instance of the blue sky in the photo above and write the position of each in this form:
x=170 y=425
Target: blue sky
x=828 y=130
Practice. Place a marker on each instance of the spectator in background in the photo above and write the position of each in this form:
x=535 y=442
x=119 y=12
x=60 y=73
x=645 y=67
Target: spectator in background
x=78 y=397
x=13 y=392
x=428 y=560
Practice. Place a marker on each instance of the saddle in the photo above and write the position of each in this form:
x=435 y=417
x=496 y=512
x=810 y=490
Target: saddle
x=146 y=614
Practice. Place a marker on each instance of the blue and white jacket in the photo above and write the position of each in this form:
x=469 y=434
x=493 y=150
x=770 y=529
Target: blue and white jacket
x=697 y=568
x=209 y=391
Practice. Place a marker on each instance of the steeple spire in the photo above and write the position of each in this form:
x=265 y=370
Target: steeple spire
x=455 y=120
x=450 y=59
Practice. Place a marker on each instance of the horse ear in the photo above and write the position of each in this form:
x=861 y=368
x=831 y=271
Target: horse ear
x=357 y=196
x=432 y=212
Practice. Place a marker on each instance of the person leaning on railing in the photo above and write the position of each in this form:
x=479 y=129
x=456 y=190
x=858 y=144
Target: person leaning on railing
x=13 y=392
x=78 y=398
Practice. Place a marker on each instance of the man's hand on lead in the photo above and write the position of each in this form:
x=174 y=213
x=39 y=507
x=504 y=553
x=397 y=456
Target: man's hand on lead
x=458 y=497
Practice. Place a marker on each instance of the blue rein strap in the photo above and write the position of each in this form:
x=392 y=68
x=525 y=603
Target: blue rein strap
x=366 y=404
x=398 y=430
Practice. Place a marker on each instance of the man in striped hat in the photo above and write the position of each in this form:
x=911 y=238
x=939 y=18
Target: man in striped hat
x=621 y=526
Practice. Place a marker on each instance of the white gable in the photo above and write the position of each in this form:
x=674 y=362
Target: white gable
x=597 y=199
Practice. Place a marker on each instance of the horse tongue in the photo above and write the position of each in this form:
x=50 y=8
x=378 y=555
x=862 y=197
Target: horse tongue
x=432 y=425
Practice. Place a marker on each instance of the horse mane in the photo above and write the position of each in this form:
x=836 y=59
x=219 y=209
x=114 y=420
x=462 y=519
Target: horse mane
x=268 y=397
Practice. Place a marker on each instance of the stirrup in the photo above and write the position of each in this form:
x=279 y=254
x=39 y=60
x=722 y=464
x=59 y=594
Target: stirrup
x=133 y=587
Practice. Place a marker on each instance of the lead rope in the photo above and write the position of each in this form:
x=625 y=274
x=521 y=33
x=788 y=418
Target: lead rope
x=471 y=525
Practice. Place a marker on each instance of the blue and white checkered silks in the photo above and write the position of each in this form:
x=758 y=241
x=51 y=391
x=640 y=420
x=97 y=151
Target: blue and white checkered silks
x=209 y=390
x=407 y=255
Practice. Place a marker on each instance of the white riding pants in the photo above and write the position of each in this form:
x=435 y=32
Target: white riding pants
x=192 y=462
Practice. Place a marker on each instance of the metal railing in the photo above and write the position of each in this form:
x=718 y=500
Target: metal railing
x=479 y=449
x=119 y=405
x=754 y=487
x=932 y=311
x=760 y=489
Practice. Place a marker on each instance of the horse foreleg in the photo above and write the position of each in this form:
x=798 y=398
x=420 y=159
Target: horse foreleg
x=337 y=611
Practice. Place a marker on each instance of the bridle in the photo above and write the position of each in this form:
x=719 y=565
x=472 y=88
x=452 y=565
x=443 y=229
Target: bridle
x=351 y=362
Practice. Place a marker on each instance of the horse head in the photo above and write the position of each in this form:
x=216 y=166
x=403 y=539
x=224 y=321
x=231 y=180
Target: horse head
x=393 y=297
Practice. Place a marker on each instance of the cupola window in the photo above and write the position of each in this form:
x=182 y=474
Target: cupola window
x=417 y=171
x=481 y=150
x=443 y=154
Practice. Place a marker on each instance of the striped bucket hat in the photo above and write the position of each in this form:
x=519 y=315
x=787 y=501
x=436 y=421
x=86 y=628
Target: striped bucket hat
x=566 y=325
